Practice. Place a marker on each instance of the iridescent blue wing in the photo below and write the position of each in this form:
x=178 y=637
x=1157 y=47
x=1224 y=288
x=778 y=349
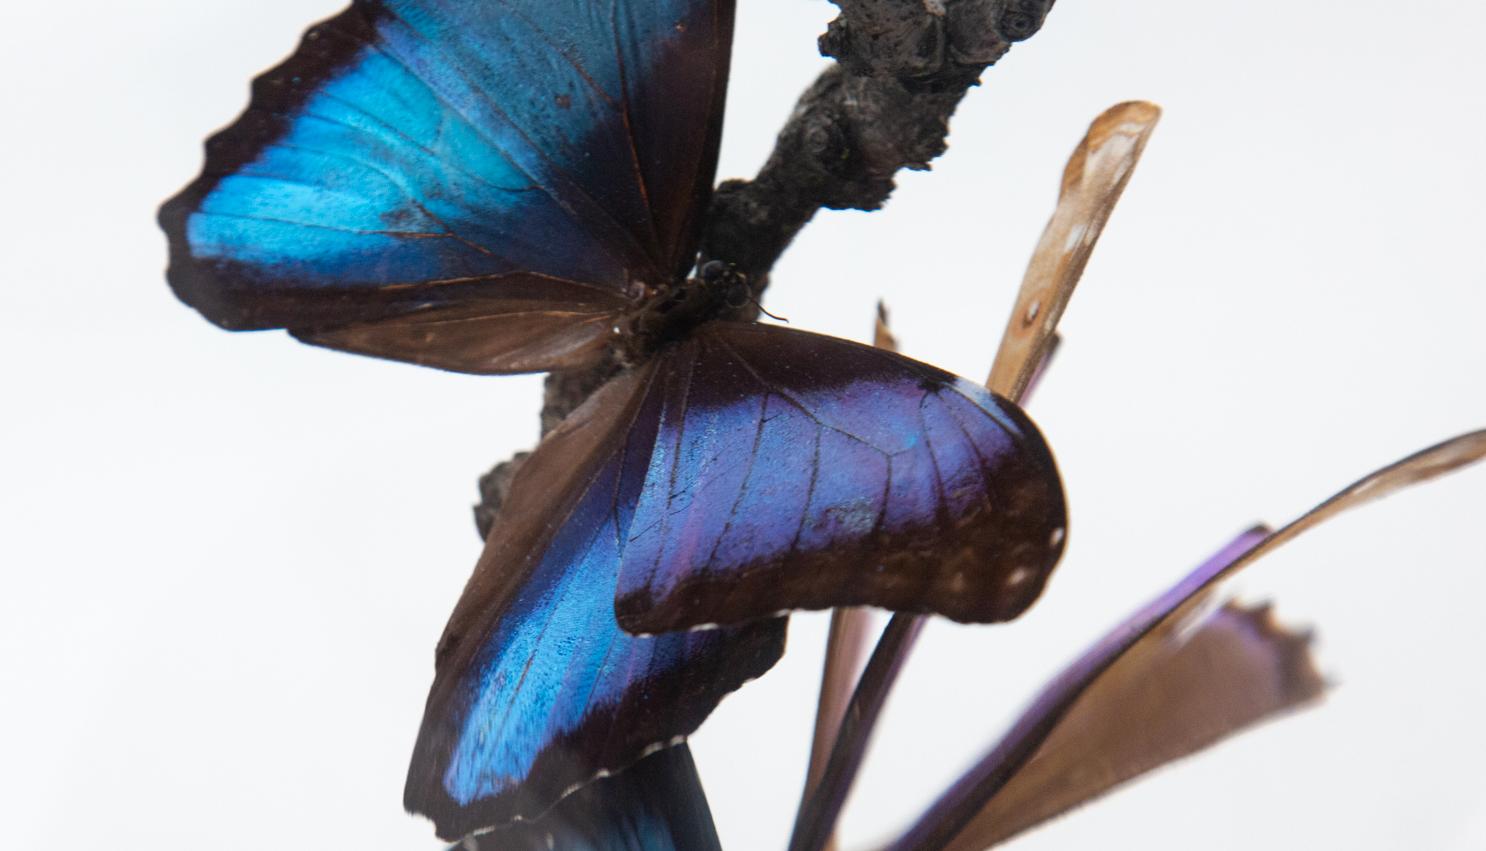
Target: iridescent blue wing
x=794 y=471
x=537 y=689
x=656 y=804
x=471 y=185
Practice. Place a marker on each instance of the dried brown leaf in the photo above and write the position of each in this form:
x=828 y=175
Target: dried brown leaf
x=1095 y=176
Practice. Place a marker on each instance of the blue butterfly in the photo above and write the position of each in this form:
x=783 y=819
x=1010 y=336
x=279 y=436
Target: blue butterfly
x=514 y=185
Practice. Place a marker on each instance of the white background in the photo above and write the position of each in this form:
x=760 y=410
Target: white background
x=226 y=557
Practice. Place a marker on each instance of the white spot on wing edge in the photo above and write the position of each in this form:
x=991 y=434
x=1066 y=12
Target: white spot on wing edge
x=604 y=772
x=1019 y=576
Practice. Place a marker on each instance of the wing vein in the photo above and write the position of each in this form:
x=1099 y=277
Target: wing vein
x=629 y=129
x=794 y=544
x=407 y=194
x=758 y=438
x=515 y=128
x=941 y=507
x=984 y=467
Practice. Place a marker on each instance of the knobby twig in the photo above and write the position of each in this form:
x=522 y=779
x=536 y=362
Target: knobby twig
x=902 y=68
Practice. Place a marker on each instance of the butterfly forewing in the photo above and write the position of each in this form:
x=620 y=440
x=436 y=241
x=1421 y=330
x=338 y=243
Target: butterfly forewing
x=792 y=470
x=421 y=177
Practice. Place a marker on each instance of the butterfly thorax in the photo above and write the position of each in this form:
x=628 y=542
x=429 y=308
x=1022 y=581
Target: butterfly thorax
x=671 y=312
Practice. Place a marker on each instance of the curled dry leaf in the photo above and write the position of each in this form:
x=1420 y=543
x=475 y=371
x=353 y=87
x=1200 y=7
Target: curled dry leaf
x=1176 y=692
x=846 y=650
x=882 y=334
x=1095 y=176
x=1060 y=734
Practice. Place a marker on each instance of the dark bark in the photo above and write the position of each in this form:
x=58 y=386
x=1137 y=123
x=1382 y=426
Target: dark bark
x=902 y=68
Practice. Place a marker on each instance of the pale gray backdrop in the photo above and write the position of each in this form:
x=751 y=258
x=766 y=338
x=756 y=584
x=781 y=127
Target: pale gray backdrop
x=226 y=558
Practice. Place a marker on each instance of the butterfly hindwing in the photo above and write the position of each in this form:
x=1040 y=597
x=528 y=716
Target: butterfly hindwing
x=422 y=176
x=537 y=689
x=657 y=804
x=793 y=470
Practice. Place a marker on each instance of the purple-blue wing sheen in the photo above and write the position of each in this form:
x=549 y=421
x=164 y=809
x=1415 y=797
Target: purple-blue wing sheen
x=467 y=184
x=537 y=689
x=792 y=470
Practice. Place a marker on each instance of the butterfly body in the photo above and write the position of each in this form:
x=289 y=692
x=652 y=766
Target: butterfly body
x=672 y=313
x=498 y=186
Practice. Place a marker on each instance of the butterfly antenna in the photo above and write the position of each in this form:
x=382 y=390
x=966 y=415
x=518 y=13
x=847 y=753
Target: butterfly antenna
x=765 y=311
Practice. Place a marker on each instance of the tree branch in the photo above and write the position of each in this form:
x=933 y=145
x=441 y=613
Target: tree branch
x=902 y=68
